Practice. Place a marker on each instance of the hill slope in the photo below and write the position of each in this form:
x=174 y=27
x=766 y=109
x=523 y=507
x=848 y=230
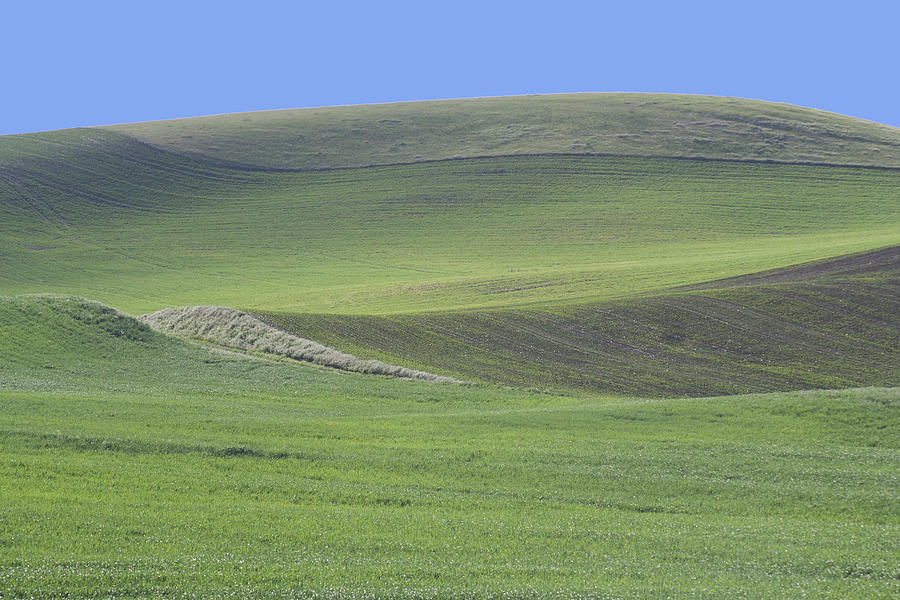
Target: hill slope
x=623 y=124
x=530 y=264
x=825 y=325
x=98 y=214
x=135 y=464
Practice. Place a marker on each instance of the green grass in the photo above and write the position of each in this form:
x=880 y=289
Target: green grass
x=629 y=124
x=176 y=471
x=96 y=214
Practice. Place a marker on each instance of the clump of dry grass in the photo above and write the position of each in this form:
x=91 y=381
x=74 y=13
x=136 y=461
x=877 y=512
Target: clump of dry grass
x=236 y=329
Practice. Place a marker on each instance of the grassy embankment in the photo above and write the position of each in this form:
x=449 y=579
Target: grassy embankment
x=237 y=330
x=179 y=471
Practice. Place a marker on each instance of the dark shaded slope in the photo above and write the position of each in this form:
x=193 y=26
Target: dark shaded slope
x=841 y=330
x=877 y=263
x=74 y=172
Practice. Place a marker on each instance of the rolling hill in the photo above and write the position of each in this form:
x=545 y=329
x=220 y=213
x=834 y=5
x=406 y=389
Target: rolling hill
x=103 y=216
x=605 y=271
x=496 y=252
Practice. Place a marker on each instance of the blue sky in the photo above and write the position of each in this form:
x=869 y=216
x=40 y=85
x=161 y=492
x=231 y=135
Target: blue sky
x=70 y=64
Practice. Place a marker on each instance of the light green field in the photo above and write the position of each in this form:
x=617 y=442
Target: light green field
x=176 y=471
x=98 y=215
x=561 y=260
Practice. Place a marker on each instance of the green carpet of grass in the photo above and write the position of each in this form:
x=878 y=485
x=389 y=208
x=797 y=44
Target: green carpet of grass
x=178 y=471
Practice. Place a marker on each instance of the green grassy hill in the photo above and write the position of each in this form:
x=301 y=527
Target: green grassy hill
x=101 y=215
x=139 y=465
x=524 y=261
x=620 y=124
x=569 y=255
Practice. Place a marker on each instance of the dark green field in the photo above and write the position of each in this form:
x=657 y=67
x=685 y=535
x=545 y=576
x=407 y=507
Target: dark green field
x=677 y=318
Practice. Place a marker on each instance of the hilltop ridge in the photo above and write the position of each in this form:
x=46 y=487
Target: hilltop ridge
x=628 y=124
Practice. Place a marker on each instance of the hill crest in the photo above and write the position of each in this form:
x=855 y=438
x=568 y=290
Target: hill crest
x=671 y=125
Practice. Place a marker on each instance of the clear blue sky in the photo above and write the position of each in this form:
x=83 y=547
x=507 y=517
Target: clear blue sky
x=68 y=64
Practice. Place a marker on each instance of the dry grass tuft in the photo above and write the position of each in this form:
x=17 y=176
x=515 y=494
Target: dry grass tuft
x=236 y=329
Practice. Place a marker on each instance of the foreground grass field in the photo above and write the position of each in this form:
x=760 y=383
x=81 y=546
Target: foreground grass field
x=179 y=471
